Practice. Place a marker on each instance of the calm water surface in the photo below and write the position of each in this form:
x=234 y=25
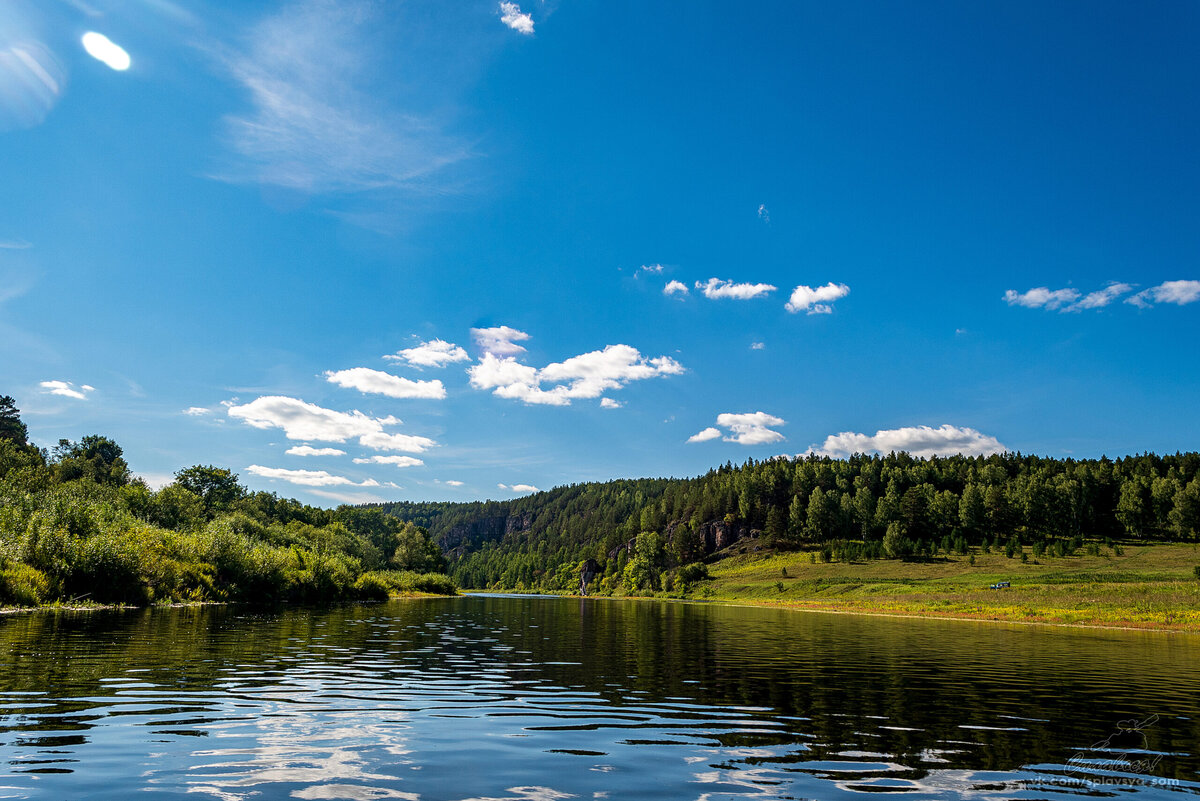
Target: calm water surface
x=542 y=699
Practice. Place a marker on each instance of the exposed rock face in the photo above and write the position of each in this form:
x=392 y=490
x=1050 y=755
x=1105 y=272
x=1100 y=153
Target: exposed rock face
x=711 y=537
x=464 y=537
x=587 y=572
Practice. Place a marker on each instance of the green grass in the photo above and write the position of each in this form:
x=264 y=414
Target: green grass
x=1149 y=586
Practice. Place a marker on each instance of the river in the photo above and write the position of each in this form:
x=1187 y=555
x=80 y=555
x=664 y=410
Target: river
x=540 y=699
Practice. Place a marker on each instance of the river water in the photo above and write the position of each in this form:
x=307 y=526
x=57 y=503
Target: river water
x=542 y=699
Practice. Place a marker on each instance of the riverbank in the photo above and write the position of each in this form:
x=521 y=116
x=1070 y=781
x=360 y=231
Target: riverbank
x=1144 y=587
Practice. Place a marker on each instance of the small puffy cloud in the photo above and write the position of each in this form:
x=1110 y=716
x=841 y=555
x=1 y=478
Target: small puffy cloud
x=106 y=51
x=816 y=300
x=452 y=482
x=510 y=15
x=715 y=288
x=675 y=288
x=68 y=389
x=920 y=441
x=395 y=461
x=1042 y=298
x=1101 y=297
x=1177 y=292
x=588 y=375
x=609 y=403
x=499 y=341
x=309 y=450
x=745 y=428
x=705 y=435
x=196 y=411
x=377 y=382
x=653 y=269
x=518 y=487
x=764 y=213
x=308 y=478
x=307 y=421
x=757 y=346
x=434 y=353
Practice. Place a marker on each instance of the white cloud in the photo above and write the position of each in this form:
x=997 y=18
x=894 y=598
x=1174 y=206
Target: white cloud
x=609 y=403
x=757 y=346
x=510 y=15
x=653 y=269
x=588 y=375
x=434 y=353
x=308 y=478
x=377 y=382
x=747 y=428
x=675 y=288
x=920 y=441
x=1101 y=297
x=317 y=123
x=453 y=483
x=395 y=461
x=306 y=421
x=519 y=488
x=67 y=389
x=1177 y=292
x=106 y=51
x=309 y=450
x=705 y=435
x=1042 y=298
x=751 y=428
x=15 y=244
x=716 y=288
x=196 y=411
x=499 y=341
x=349 y=497
x=816 y=300
x=764 y=213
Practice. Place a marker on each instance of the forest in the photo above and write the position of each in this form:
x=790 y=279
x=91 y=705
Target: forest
x=658 y=534
x=77 y=527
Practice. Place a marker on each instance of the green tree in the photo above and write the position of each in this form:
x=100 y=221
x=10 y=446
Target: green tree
x=216 y=487
x=94 y=457
x=11 y=427
x=822 y=515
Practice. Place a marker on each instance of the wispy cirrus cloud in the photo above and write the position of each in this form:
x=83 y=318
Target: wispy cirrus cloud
x=377 y=382
x=718 y=288
x=511 y=15
x=816 y=300
x=314 y=123
x=307 y=421
x=67 y=389
x=434 y=353
x=744 y=428
x=588 y=375
x=920 y=441
x=308 y=478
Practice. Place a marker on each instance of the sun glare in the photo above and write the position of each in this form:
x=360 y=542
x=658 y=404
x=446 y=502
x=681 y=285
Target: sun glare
x=103 y=49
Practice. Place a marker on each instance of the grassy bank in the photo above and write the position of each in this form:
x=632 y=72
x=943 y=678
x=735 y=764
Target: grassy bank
x=1147 y=586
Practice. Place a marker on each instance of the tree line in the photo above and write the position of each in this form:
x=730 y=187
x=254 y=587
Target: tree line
x=76 y=525
x=863 y=507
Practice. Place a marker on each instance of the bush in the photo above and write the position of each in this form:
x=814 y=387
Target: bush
x=23 y=585
x=693 y=572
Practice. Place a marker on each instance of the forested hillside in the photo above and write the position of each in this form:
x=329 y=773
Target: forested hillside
x=76 y=525
x=650 y=533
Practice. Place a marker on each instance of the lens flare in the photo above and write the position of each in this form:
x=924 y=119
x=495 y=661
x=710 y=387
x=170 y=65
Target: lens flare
x=103 y=49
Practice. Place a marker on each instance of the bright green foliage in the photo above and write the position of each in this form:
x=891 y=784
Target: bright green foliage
x=78 y=529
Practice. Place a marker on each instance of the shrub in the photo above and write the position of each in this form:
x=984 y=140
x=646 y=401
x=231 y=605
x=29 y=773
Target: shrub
x=23 y=585
x=693 y=572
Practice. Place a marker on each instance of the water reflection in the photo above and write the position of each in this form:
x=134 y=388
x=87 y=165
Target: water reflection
x=526 y=698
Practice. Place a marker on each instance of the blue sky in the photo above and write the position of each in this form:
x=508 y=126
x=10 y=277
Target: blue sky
x=427 y=250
